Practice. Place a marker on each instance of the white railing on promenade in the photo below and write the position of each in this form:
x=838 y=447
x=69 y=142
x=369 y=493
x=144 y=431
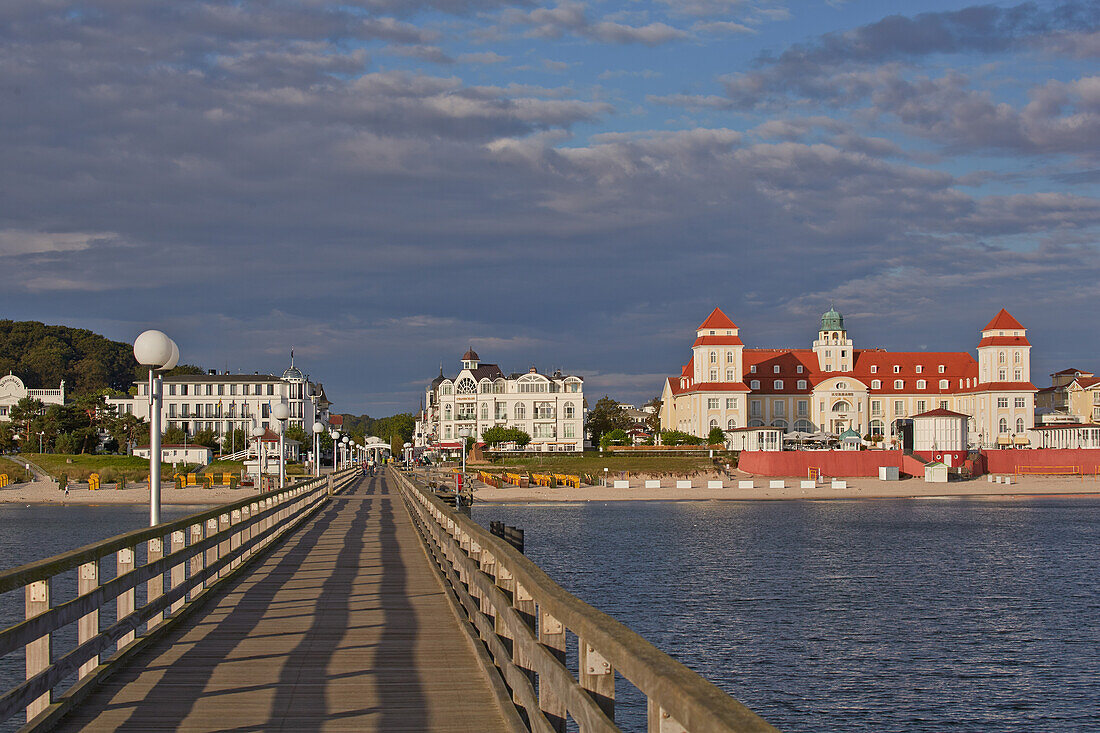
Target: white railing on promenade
x=202 y=550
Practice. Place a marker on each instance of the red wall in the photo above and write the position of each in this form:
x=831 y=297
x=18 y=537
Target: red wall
x=1006 y=461
x=831 y=463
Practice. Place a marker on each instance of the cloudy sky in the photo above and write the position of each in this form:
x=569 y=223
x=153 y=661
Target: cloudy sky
x=382 y=183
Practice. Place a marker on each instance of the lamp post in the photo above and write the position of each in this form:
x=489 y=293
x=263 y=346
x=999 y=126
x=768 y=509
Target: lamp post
x=464 y=433
x=335 y=435
x=318 y=428
x=158 y=352
x=281 y=412
x=258 y=433
x=40 y=434
x=344 y=440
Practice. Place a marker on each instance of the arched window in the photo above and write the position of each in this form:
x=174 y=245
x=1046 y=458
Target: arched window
x=779 y=424
x=729 y=357
x=754 y=384
x=804 y=426
x=466 y=386
x=485 y=387
x=842 y=385
x=1016 y=357
x=876 y=384
x=877 y=427
x=756 y=423
x=1000 y=357
x=446 y=389
x=841 y=406
x=713 y=423
x=779 y=384
x=899 y=383
x=570 y=411
x=802 y=384
x=520 y=411
x=729 y=375
x=446 y=412
x=714 y=357
x=731 y=424
x=499 y=387
x=1019 y=426
x=943 y=384
x=1003 y=425
x=921 y=384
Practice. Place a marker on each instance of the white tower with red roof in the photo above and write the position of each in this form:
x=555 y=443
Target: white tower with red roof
x=716 y=353
x=1004 y=353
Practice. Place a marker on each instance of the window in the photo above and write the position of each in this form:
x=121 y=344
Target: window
x=714 y=375
x=842 y=385
x=944 y=384
x=755 y=384
x=803 y=408
x=172 y=409
x=899 y=383
x=1003 y=425
x=919 y=369
x=520 y=411
x=1001 y=360
x=183 y=389
x=714 y=357
x=778 y=384
x=466 y=386
x=1002 y=374
x=712 y=403
x=544 y=410
x=775 y=369
x=1017 y=374
x=484 y=410
x=1019 y=401
x=570 y=411
x=713 y=423
x=1019 y=425
x=568 y=430
x=731 y=424
x=171 y=389
x=752 y=369
x=899 y=407
x=270 y=390
x=210 y=389
x=802 y=384
x=828 y=353
x=799 y=369
x=874 y=369
x=221 y=389
x=876 y=407
x=921 y=406
x=730 y=375
x=921 y=384
x=1002 y=402
x=232 y=389
x=841 y=406
x=779 y=408
x=943 y=405
x=897 y=369
x=485 y=386
x=876 y=384
x=754 y=407
x=446 y=389
x=729 y=357
x=877 y=427
x=731 y=403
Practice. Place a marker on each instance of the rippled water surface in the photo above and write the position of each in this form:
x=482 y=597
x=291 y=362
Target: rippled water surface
x=889 y=615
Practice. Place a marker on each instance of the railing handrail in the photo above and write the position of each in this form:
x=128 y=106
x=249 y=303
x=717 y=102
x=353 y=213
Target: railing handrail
x=41 y=569
x=694 y=702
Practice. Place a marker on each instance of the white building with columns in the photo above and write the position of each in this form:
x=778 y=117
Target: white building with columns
x=222 y=402
x=549 y=408
x=834 y=386
x=12 y=390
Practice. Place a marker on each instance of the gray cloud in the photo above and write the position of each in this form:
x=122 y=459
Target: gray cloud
x=571 y=18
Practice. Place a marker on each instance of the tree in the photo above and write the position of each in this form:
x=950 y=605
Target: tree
x=606 y=416
x=498 y=434
x=617 y=436
x=24 y=413
x=653 y=420
x=297 y=432
x=207 y=438
x=716 y=436
x=173 y=436
x=676 y=437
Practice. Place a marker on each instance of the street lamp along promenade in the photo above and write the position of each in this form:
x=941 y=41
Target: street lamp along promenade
x=155 y=350
x=258 y=433
x=335 y=435
x=318 y=428
x=281 y=412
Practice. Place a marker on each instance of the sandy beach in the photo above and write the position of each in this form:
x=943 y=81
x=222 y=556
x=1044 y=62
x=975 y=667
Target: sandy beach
x=46 y=492
x=858 y=488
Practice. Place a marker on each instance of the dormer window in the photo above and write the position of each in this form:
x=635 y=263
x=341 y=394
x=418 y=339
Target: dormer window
x=921 y=384
x=712 y=333
x=897 y=369
x=729 y=333
x=919 y=369
x=876 y=384
x=943 y=369
x=752 y=369
x=874 y=369
x=778 y=384
x=775 y=369
x=802 y=384
x=799 y=369
x=755 y=384
x=898 y=384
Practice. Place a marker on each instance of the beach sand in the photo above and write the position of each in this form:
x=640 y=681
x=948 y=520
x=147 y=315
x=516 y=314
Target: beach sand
x=46 y=492
x=858 y=488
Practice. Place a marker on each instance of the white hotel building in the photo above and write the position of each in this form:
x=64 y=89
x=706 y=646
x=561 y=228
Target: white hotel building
x=12 y=390
x=834 y=386
x=548 y=408
x=223 y=402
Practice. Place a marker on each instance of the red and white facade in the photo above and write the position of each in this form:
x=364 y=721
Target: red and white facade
x=833 y=386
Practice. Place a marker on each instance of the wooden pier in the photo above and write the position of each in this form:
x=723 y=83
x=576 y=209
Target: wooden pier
x=348 y=603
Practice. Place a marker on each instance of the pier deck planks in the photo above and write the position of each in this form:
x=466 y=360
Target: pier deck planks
x=343 y=627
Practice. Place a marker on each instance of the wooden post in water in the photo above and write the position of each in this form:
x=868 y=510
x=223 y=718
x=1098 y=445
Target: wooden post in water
x=38 y=651
x=87 y=627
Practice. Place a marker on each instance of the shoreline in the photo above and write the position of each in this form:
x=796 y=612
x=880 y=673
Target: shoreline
x=857 y=489
x=46 y=492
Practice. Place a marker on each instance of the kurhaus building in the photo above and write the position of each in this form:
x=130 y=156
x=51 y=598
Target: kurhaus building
x=225 y=402
x=548 y=408
x=833 y=386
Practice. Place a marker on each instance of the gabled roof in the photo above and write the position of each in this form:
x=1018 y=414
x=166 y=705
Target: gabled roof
x=940 y=413
x=1071 y=371
x=1086 y=382
x=1004 y=341
x=1003 y=320
x=717 y=319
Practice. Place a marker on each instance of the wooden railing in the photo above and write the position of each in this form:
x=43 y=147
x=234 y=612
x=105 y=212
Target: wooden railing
x=523 y=617
x=204 y=549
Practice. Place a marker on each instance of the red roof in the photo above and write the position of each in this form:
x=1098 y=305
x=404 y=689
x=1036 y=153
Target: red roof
x=1003 y=320
x=717 y=341
x=717 y=319
x=1002 y=387
x=1004 y=341
x=337 y=420
x=1071 y=371
x=1085 y=382
x=941 y=413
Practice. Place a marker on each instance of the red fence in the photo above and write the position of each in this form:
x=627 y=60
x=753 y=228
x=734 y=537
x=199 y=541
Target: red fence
x=1058 y=460
x=831 y=463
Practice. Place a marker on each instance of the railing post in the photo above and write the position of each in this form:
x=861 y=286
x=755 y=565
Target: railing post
x=212 y=552
x=38 y=651
x=331 y=485
x=87 y=627
x=659 y=720
x=235 y=538
x=524 y=604
x=597 y=676
x=552 y=636
x=154 y=588
x=124 y=606
x=223 y=545
x=197 y=559
x=179 y=572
